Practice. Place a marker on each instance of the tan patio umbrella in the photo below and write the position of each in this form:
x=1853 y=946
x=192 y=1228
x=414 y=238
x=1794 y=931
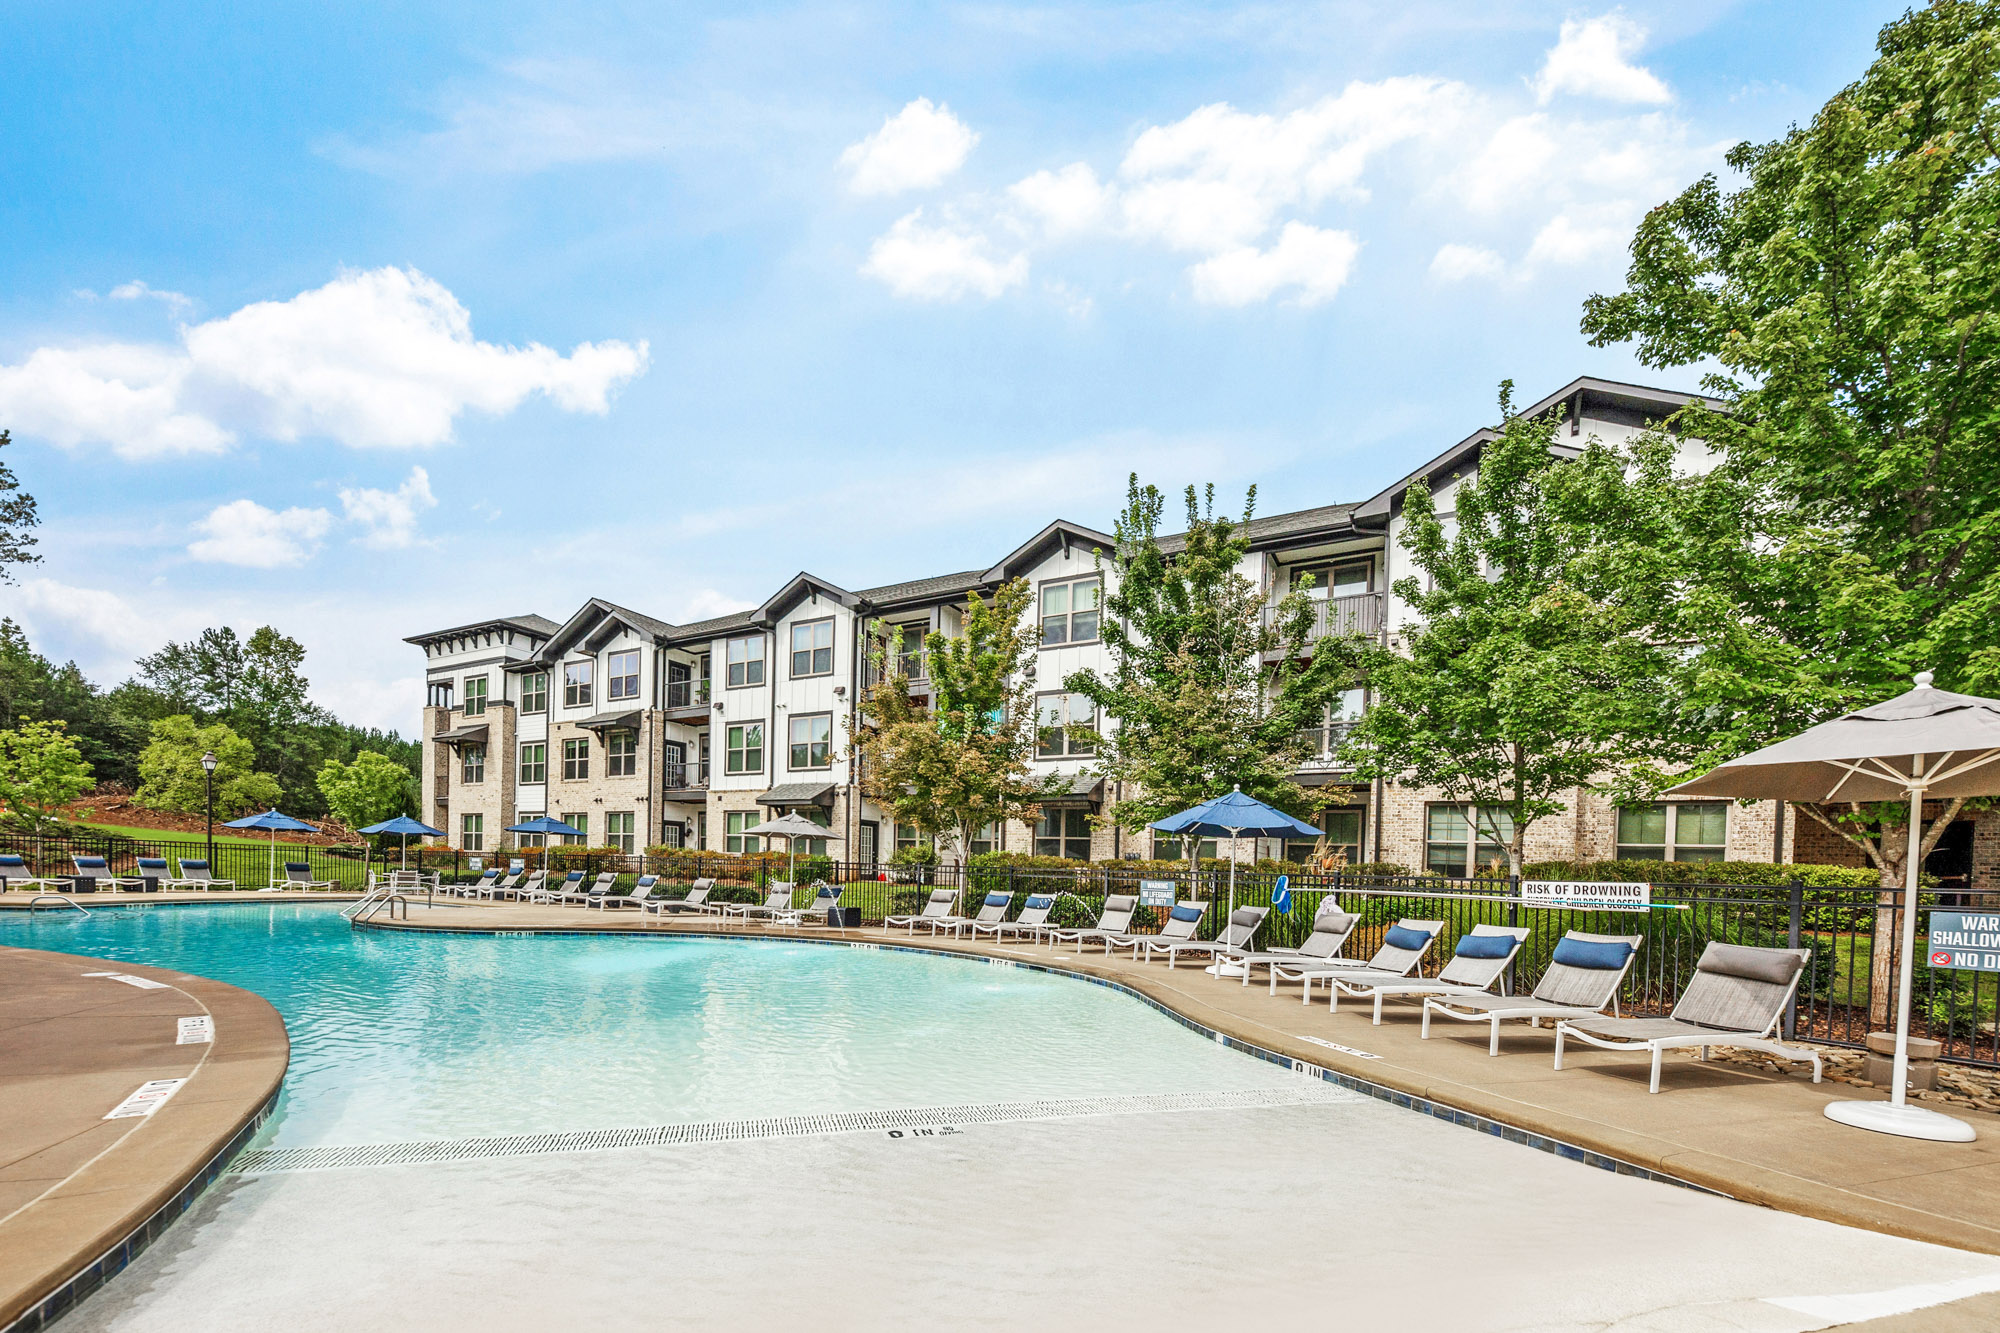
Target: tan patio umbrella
x=1926 y=742
x=791 y=828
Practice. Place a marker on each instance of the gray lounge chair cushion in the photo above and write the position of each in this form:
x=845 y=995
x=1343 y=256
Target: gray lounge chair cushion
x=1247 y=916
x=1776 y=967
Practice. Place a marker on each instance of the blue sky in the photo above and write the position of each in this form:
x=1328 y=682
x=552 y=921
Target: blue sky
x=363 y=320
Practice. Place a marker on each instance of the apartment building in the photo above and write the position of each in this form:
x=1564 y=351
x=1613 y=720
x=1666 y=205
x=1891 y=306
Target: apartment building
x=642 y=732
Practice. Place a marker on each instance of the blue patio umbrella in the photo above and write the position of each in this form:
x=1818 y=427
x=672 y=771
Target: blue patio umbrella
x=544 y=825
x=405 y=825
x=1234 y=816
x=277 y=823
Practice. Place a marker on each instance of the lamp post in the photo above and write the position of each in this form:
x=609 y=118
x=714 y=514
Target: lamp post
x=208 y=801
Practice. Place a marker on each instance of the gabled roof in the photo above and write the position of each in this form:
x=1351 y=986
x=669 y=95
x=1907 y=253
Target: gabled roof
x=595 y=613
x=1331 y=520
x=1061 y=533
x=538 y=626
x=916 y=590
x=801 y=586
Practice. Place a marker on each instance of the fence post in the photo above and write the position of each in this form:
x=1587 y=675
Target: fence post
x=1513 y=919
x=1796 y=894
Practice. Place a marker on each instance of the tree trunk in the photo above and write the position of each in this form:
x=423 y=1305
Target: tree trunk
x=1882 y=948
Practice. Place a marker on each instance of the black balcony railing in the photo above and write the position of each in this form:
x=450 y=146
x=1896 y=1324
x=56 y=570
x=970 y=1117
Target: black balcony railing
x=681 y=775
x=1325 y=743
x=1357 y=613
x=687 y=694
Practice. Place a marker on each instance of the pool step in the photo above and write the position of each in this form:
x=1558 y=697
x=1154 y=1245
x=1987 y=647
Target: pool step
x=917 y=1122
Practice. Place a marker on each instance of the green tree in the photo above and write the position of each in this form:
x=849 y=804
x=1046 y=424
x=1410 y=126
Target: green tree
x=964 y=760
x=1851 y=535
x=41 y=771
x=171 y=777
x=367 y=791
x=17 y=516
x=34 y=687
x=1204 y=693
x=1523 y=675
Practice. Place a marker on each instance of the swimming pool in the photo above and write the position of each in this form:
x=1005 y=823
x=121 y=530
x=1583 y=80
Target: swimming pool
x=399 y=1036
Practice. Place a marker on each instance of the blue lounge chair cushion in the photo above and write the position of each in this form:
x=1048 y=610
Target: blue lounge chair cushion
x=999 y=899
x=1484 y=946
x=1038 y=902
x=1602 y=955
x=1187 y=913
x=1402 y=937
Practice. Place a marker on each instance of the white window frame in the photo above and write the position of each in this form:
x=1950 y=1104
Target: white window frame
x=1067 y=636
x=471 y=764
x=577 y=679
x=793 y=744
x=753 y=656
x=1068 y=747
x=730 y=749
x=618 y=684
x=814 y=650
x=472 y=833
x=576 y=761
x=620 y=830
x=537 y=764
x=475 y=699
x=534 y=691
x=612 y=757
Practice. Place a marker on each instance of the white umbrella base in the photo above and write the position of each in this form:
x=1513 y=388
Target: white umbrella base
x=1911 y=1122
x=1224 y=969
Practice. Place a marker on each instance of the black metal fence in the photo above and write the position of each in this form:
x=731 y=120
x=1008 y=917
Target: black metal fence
x=251 y=866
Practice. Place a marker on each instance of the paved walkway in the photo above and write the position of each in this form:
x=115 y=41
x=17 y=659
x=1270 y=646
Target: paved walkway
x=1754 y=1136
x=75 y=1183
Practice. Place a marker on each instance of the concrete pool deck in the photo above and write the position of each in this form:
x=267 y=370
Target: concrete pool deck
x=1754 y=1136
x=23 y=900
x=81 y=1193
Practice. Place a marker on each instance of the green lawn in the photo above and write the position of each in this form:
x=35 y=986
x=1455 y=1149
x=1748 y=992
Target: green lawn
x=231 y=839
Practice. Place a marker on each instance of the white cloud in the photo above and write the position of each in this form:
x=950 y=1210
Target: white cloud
x=1591 y=58
x=914 y=150
x=377 y=358
x=1310 y=260
x=136 y=290
x=390 y=517
x=1456 y=263
x=1580 y=238
x=105 y=617
x=940 y=263
x=245 y=533
x=1219 y=177
x=1063 y=202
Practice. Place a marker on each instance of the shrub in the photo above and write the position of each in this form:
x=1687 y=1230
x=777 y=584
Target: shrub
x=1751 y=874
x=922 y=854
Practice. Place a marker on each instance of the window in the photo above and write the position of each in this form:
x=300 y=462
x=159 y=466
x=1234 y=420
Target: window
x=812 y=649
x=738 y=839
x=1461 y=839
x=1058 y=713
x=812 y=741
x=813 y=846
x=746 y=749
x=1333 y=580
x=986 y=838
x=1063 y=833
x=438 y=694
x=475 y=695
x=673 y=833
x=576 y=685
x=1176 y=849
x=535 y=692
x=910 y=661
x=701 y=830
x=1069 y=610
x=534 y=762
x=472 y=763
x=907 y=835
x=472 y=833
x=1342 y=841
x=618 y=831
x=621 y=754
x=621 y=675
x=576 y=759
x=581 y=823
x=746 y=661
x=529 y=839
x=1693 y=832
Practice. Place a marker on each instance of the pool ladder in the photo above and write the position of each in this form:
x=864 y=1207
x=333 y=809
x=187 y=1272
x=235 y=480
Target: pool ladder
x=40 y=898
x=388 y=896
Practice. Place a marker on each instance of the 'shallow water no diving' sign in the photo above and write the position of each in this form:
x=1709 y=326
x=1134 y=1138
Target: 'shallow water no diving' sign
x=1594 y=897
x=1969 y=941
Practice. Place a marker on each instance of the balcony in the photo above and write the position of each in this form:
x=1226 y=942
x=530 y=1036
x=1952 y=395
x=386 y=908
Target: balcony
x=912 y=665
x=1325 y=742
x=1338 y=617
x=687 y=701
x=684 y=780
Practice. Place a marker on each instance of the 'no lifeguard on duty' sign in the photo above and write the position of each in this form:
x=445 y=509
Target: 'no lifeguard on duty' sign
x=1969 y=941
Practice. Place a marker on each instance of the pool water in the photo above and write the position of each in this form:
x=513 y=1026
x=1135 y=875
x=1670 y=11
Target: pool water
x=407 y=1036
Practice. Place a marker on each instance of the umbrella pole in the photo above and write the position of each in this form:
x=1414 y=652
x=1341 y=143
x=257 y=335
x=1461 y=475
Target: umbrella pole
x=1896 y=1116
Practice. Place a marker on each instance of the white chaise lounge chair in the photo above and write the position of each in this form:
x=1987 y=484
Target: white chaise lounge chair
x=14 y=875
x=696 y=900
x=642 y=888
x=298 y=875
x=93 y=873
x=196 y=874
x=1182 y=921
x=1477 y=963
x=1736 y=997
x=1034 y=919
x=546 y=892
x=825 y=898
x=992 y=911
x=1403 y=948
x=476 y=889
x=504 y=887
x=1583 y=978
x=777 y=902
x=1112 y=923
x=583 y=896
x=1236 y=938
x=1331 y=927
x=937 y=908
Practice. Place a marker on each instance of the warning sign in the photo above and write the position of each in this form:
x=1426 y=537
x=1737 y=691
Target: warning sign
x=1592 y=896
x=1967 y=941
